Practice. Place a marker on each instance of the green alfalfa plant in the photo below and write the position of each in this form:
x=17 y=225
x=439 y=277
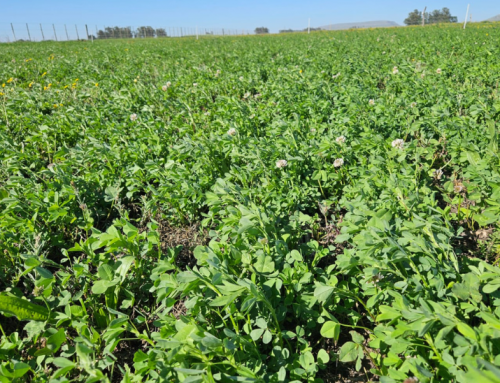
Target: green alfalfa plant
x=23 y=309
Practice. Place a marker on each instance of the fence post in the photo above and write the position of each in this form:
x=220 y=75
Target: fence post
x=467 y=14
x=41 y=30
x=66 y=29
x=87 y=29
x=14 y=33
x=77 y=36
x=29 y=35
x=54 y=28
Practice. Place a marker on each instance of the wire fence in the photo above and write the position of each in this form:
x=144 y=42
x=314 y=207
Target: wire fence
x=10 y=32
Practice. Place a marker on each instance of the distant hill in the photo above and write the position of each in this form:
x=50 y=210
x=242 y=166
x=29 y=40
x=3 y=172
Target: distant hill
x=494 y=18
x=361 y=24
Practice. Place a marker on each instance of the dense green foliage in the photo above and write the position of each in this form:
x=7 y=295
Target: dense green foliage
x=346 y=187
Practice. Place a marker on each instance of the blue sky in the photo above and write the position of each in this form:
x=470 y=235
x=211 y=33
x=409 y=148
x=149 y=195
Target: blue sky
x=235 y=14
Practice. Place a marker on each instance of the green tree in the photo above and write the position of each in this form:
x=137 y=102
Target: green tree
x=161 y=32
x=414 y=18
x=143 y=32
x=115 y=33
x=261 y=30
x=441 y=16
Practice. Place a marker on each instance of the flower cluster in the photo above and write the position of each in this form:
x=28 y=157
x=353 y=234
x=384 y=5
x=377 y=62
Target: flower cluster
x=411 y=379
x=133 y=117
x=371 y=102
x=338 y=162
x=231 y=132
x=395 y=70
x=340 y=140
x=458 y=187
x=398 y=143
x=438 y=173
x=281 y=163
x=377 y=278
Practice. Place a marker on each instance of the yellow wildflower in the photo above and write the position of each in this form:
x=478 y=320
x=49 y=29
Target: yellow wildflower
x=10 y=80
x=44 y=73
x=96 y=84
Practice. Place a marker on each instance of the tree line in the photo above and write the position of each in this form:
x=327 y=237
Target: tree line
x=128 y=32
x=434 y=17
x=264 y=30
